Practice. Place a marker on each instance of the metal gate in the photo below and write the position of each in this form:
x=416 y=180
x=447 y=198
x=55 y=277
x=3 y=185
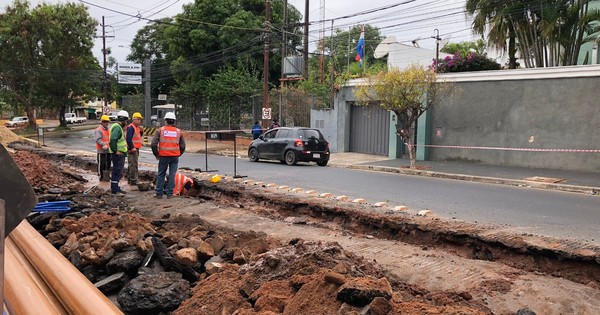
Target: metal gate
x=369 y=130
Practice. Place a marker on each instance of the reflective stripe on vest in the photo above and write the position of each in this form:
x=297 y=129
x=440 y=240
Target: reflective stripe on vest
x=121 y=143
x=105 y=138
x=137 y=138
x=168 y=144
x=180 y=181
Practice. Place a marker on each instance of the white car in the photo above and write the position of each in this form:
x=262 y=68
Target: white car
x=72 y=118
x=20 y=121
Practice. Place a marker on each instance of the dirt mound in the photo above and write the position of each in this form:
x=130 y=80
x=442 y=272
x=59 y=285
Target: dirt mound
x=41 y=174
x=7 y=136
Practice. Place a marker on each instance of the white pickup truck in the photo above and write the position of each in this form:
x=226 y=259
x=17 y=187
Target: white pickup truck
x=72 y=118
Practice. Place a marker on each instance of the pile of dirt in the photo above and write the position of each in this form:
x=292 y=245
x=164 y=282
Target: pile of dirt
x=44 y=176
x=7 y=136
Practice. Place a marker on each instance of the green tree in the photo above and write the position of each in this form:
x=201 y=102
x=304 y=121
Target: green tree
x=45 y=55
x=465 y=48
x=232 y=86
x=408 y=93
x=495 y=18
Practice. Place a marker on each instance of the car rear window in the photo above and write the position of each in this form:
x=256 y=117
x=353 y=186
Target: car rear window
x=309 y=133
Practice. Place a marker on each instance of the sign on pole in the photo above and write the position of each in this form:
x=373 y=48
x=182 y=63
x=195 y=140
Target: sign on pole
x=266 y=113
x=162 y=97
x=129 y=67
x=130 y=79
x=106 y=110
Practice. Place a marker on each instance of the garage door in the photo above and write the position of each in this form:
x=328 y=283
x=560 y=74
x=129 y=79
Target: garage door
x=369 y=130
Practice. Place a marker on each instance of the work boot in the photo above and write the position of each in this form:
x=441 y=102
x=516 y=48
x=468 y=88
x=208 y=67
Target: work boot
x=119 y=194
x=158 y=196
x=169 y=196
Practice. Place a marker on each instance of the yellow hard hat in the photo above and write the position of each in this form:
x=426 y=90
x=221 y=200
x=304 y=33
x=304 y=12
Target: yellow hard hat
x=215 y=179
x=104 y=118
x=137 y=115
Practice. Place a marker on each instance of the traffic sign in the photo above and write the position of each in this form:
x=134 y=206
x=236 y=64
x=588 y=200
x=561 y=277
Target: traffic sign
x=106 y=110
x=266 y=113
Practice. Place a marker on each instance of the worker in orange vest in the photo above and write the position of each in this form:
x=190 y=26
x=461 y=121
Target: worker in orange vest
x=101 y=135
x=134 y=143
x=185 y=185
x=167 y=145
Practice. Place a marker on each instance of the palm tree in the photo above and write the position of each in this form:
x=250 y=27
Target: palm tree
x=495 y=17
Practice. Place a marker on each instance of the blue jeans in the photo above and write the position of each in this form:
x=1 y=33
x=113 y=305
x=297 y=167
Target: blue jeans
x=118 y=163
x=165 y=162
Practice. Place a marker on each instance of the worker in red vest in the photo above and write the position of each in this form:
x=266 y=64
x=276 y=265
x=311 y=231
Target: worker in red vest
x=101 y=135
x=134 y=143
x=167 y=145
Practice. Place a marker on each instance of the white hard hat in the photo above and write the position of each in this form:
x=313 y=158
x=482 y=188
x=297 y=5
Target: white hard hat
x=170 y=115
x=122 y=115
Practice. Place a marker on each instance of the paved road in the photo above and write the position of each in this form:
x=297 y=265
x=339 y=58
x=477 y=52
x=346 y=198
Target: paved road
x=551 y=213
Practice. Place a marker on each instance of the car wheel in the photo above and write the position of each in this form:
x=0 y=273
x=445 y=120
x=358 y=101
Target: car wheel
x=290 y=158
x=253 y=155
x=322 y=163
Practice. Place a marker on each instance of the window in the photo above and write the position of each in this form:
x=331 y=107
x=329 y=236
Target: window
x=271 y=134
x=309 y=133
x=283 y=133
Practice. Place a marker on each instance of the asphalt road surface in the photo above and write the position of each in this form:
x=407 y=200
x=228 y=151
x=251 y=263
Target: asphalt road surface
x=519 y=209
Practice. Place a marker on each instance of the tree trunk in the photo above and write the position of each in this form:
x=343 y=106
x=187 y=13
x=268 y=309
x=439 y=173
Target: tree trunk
x=61 y=116
x=512 y=47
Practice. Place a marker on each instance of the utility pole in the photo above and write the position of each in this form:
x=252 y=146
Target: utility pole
x=437 y=47
x=104 y=79
x=147 y=96
x=306 y=39
x=267 y=39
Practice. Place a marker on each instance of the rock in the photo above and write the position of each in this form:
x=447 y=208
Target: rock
x=91 y=272
x=107 y=256
x=335 y=278
x=380 y=306
x=125 y=261
x=55 y=191
x=166 y=260
x=212 y=267
x=239 y=257
x=69 y=245
x=112 y=283
x=170 y=238
x=75 y=259
x=347 y=309
x=121 y=243
x=361 y=291
x=217 y=243
x=525 y=311
x=205 y=251
x=187 y=256
x=267 y=303
x=154 y=293
x=90 y=256
x=142 y=246
x=257 y=246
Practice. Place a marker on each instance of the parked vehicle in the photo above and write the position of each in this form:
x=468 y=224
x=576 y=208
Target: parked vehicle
x=291 y=145
x=72 y=118
x=20 y=121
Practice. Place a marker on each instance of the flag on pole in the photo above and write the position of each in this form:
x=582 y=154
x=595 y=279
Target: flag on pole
x=360 y=47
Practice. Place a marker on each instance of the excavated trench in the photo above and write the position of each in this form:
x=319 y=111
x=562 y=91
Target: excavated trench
x=574 y=261
x=561 y=259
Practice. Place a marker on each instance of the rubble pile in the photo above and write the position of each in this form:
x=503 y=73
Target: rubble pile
x=44 y=176
x=7 y=136
x=183 y=264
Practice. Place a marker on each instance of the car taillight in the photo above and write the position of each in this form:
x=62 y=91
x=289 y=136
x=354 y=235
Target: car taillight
x=299 y=143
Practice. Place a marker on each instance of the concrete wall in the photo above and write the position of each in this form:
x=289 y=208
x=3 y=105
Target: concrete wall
x=541 y=109
x=336 y=121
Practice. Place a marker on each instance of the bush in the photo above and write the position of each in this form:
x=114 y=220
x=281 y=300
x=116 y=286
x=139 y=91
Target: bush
x=470 y=62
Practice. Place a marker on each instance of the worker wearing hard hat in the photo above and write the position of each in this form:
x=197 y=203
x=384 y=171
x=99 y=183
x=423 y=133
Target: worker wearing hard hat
x=167 y=145
x=103 y=157
x=118 y=148
x=133 y=137
x=185 y=186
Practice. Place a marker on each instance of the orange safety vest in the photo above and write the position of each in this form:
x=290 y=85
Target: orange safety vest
x=180 y=181
x=168 y=144
x=105 y=137
x=137 y=138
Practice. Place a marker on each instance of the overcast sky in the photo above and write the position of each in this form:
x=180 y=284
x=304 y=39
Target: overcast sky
x=407 y=20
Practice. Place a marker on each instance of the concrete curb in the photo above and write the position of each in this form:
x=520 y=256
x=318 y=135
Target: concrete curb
x=481 y=179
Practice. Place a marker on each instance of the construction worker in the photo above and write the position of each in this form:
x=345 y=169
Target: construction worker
x=103 y=157
x=167 y=146
x=133 y=137
x=118 y=149
x=185 y=185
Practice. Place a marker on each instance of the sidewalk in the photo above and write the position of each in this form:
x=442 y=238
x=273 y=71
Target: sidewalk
x=571 y=181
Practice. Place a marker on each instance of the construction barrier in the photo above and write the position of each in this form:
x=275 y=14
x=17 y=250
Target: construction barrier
x=147 y=134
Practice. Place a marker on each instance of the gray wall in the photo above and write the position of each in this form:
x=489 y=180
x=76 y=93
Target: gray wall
x=557 y=113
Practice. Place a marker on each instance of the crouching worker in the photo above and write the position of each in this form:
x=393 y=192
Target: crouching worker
x=186 y=186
